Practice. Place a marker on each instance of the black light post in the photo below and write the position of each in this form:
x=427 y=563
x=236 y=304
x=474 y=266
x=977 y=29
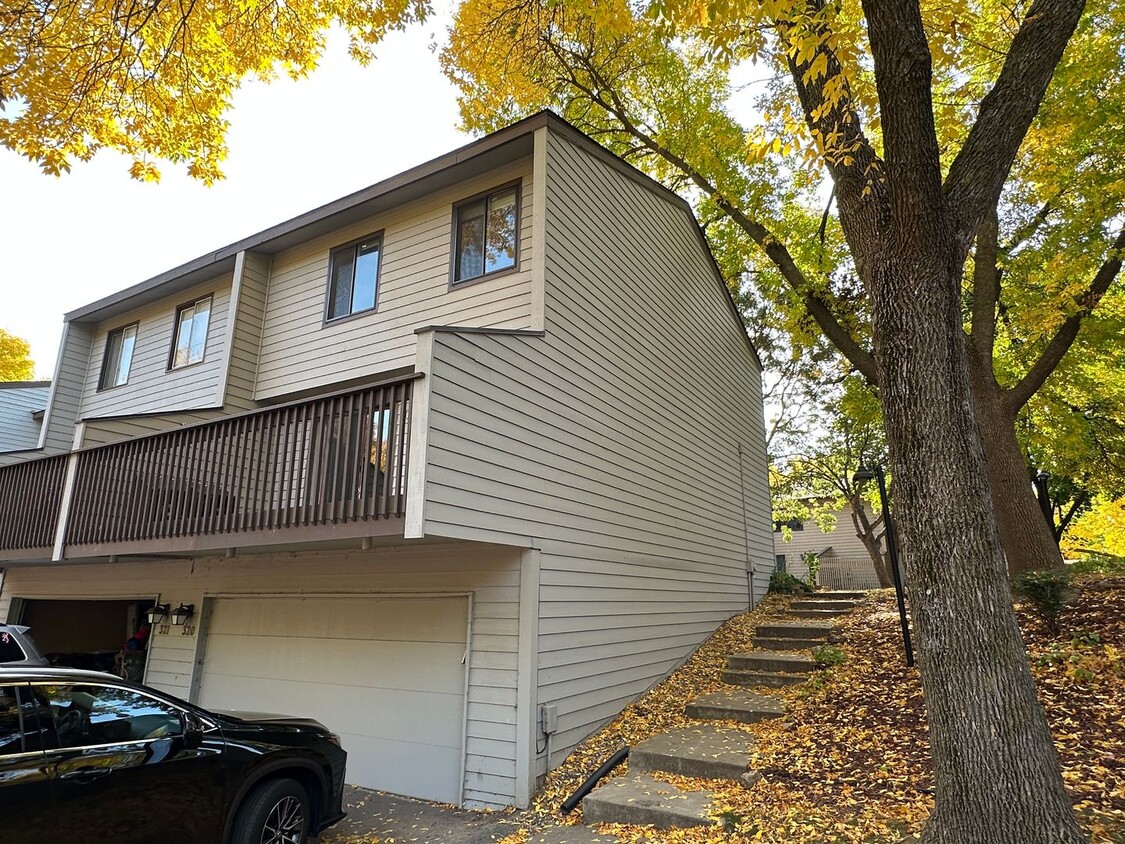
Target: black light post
x=877 y=473
x=1044 y=497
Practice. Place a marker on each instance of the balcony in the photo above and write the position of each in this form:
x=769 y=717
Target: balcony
x=329 y=468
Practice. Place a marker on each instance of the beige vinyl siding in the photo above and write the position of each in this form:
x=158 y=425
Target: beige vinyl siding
x=103 y=431
x=152 y=387
x=490 y=574
x=612 y=444
x=841 y=542
x=298 y=352
x=246 y=332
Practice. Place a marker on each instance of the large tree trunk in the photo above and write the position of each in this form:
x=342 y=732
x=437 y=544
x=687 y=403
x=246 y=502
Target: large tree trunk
x=1028 y=541
x=994 y=760
x=995 y=766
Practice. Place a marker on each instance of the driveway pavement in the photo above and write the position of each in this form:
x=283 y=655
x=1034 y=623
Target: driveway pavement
x=374 y=816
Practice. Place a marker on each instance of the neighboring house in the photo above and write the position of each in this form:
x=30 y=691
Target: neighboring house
x=21 y=413
x=459 y=464
x=844 y=560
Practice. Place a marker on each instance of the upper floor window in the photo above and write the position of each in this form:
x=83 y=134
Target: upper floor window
x=190 y=339
x=353 y=277
x=119 y=345
x=486 y=234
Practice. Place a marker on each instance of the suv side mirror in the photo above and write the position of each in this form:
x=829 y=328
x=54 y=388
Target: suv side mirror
x=193 y=730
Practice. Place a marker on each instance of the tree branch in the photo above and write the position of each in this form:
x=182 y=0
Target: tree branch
x=775 y=250
x=981 y=167
x=903 y=78
x=986 y=286
x=1060 y=344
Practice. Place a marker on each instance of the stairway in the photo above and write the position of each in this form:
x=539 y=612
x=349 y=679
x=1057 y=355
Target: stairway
x=782 y=657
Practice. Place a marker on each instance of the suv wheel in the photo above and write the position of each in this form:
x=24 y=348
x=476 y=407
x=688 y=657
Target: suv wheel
x=276 y=812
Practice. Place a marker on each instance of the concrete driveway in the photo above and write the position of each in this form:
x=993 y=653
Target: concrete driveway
x=374 y=816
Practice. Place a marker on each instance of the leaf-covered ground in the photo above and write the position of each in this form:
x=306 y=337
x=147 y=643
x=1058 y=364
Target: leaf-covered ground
x=850 y=761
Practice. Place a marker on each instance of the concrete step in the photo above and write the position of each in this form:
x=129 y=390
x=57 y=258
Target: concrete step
x=773 y=679
x=813 y=603
x=818 y=613
x=735 y=705
x=706 y=751
x=572 y=834
x=781 y=630
x=642 y=800
x=775 y=644
x=838 y=595
x=771 y=661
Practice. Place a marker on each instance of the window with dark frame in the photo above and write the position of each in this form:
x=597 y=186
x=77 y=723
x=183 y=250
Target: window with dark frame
x=189 y=343
x=119 y=345
x=353 y=277
x=485 y=229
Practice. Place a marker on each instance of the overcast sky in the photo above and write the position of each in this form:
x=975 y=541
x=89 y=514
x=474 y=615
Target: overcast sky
x=293 y=146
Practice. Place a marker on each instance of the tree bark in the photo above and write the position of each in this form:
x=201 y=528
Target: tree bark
x=1029 y=542
x=995 y=766
x=994 y=760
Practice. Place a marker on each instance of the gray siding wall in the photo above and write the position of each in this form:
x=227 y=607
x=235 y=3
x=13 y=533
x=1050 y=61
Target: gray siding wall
x=612 y=444
x=299 y=352
x=491 y=575
x=57 y=432
x=152 y=387
x=19 y=429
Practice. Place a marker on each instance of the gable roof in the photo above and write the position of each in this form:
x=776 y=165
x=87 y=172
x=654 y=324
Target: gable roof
x=492 y=150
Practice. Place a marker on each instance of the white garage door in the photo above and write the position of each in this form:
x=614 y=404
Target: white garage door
x=386 y=674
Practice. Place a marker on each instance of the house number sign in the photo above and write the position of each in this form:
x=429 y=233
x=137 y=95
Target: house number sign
x=187 y=630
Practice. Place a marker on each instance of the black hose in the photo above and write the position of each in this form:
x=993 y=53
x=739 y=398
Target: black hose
x=616 y=759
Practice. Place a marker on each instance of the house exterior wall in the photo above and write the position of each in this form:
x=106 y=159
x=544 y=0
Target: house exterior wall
x=65 y=398
x=490 y=574
x=841 y=542
x=19 y=429
x=152 y=387
x=612 y=443
x=300 y=352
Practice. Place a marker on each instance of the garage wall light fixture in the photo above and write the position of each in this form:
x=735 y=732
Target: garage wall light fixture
x=157 y=613
x=182 y=613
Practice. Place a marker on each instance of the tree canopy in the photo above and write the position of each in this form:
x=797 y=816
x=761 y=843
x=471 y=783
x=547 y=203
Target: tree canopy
x=15 y=358
x=154 y=80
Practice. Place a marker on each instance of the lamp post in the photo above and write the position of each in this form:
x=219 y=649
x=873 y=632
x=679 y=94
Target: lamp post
x=877 y=473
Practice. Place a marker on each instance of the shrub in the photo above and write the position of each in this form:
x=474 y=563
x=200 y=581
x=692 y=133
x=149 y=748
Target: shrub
x=1100 y=564
x=828 y=655
x=1048 y=589
x=783 y=583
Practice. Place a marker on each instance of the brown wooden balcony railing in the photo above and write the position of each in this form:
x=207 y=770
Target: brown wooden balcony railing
x=30 y=496
x=327 y=461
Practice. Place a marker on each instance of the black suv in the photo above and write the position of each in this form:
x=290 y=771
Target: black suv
x=86 y=756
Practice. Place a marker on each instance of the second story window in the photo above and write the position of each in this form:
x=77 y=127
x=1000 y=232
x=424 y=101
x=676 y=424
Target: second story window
x=190 y=340
x=485 y=231
x=119 y=345
x=353 y=277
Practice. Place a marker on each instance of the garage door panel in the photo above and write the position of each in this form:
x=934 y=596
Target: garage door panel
x=386 y=674
x=430 y=773
x=419 y=666
x=356 y=618
x=426 y=719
